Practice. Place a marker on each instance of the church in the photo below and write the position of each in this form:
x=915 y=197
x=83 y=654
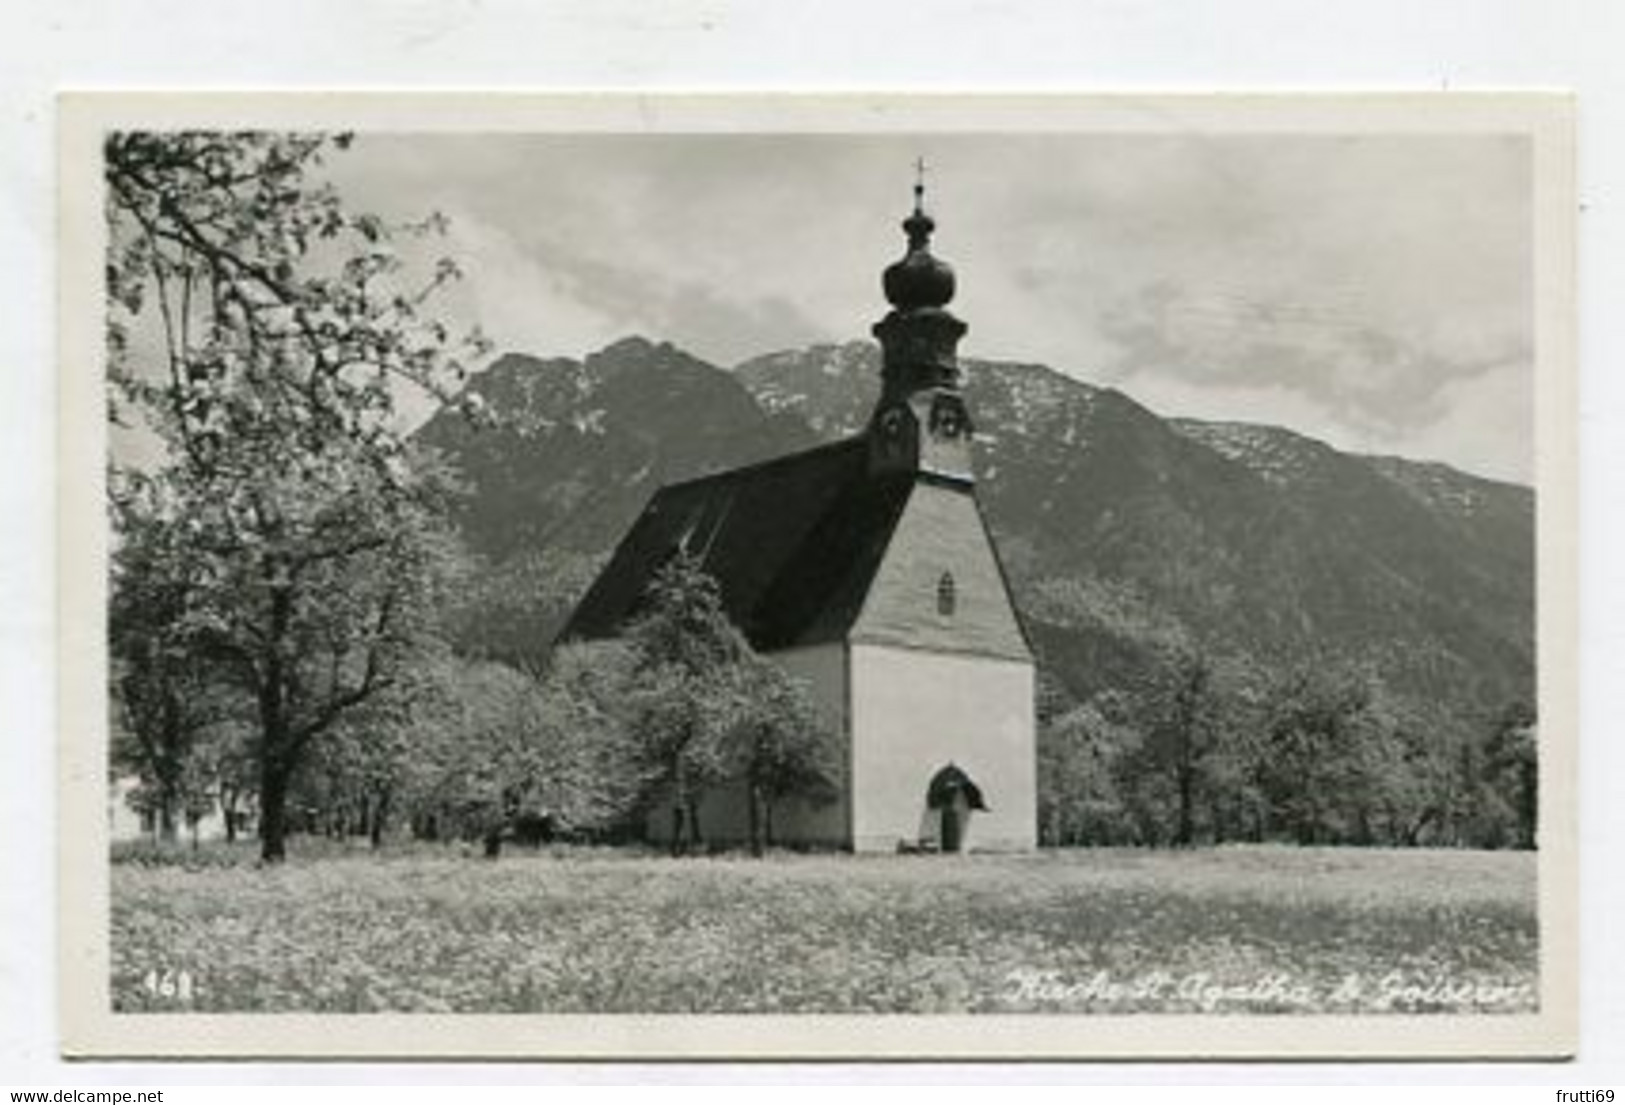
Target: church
x=866 y=569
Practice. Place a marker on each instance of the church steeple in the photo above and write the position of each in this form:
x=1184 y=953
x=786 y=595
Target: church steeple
x=919 y=280
x=919 y=336
x=920 y=421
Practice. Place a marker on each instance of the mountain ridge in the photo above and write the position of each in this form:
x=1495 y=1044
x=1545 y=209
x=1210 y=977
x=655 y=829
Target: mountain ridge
x=1121 y=529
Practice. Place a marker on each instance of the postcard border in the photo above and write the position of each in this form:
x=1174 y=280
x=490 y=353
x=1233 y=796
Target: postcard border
x=89 y=1029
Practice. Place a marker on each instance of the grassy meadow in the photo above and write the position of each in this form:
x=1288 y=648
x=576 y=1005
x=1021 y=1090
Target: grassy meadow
x=1226 y=930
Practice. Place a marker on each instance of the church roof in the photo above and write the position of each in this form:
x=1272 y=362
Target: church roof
x=793 y=542
x=796 y=544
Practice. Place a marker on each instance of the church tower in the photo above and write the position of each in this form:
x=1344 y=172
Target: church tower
x=920 y=423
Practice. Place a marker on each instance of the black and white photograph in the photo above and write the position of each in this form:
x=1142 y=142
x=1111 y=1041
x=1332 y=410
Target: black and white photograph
x=820 y=577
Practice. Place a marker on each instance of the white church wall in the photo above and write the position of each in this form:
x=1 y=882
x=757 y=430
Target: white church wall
x=914 y=712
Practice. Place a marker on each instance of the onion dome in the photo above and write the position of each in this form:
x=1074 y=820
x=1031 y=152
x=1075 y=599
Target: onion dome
x=919 y=279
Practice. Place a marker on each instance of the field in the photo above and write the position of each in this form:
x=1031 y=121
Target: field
x=1228 y=930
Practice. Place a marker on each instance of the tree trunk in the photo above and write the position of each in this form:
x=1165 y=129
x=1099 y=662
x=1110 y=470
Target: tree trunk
x=678 y=824
x=1185 y=830
x=1363 y=833
x=755 y=810
x=380 y=810
x=1529 y=812
x=276 y=751
x=273 y=812
x=167 y=831
x=694 y=827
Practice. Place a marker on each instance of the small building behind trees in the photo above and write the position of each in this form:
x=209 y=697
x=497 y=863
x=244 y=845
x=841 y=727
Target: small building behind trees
x=132 y=815
x=866 y=569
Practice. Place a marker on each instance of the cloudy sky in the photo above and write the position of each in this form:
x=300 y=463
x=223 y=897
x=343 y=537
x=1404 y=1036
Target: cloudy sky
x=1371 y=291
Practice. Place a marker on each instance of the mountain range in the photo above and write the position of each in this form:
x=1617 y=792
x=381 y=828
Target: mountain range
x=1122 y=531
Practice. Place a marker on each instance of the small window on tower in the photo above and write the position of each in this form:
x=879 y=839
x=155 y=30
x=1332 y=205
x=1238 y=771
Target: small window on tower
x=946 y=598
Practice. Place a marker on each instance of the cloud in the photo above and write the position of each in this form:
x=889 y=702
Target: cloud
x=697 y=314
x=1361 y=287
x=1370 y=379
x=572 y=241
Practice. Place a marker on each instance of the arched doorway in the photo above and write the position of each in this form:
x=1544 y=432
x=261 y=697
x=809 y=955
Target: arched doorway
x=950 y=798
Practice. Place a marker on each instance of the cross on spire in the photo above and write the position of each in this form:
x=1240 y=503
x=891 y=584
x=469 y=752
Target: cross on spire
x=919 y=184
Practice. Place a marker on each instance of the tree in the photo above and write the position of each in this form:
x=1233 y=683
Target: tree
x=260 y=332
x=1166 y=758
x=682 y=693
x=489 y=750
x=1331 y=753
x=467 y=754
x=1513 y=769
x=231 y=755
x=1182 y=708
x=706 y=710
x=1085 y=760
x=166 y=700
x=587 y=768
x=1407 y=767
x=356 y=777
x=1237 y=808
x=777 y=743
